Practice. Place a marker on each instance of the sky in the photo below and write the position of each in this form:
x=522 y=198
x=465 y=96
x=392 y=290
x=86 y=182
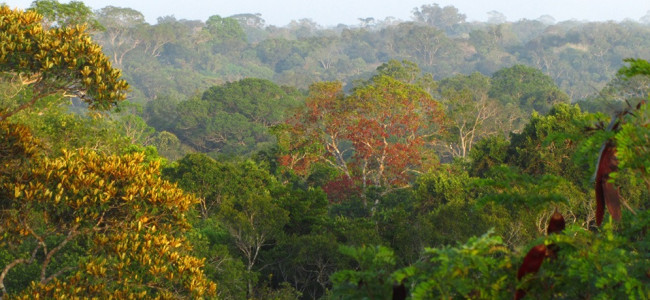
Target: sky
x=334 y=12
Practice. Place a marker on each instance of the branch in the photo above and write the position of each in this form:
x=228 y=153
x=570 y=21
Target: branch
x=23 y=106
x=13 y=264
x=72 y=234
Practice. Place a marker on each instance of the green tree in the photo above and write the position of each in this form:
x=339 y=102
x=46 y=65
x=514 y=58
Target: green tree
x=120 y=35
x=488 y=153
x=547 y=143
x=471 y=114
x=205 y=178
x=65 y=14
x=233 y=118
x=251 y=216
x=442 y=17
x=631 y=140
x=51 y=121
x=480 y=268
x=241 y=198
x=526 y=87
x=226 y=34
x=370 y=279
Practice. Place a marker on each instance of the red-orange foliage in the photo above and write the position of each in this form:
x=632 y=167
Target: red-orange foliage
x=340 y=189
x=536 y=255
x=378 y=135
x=556 y=224
x=606 y=193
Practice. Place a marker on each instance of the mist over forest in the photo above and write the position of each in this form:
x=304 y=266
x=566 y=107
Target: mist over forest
x=388 y=159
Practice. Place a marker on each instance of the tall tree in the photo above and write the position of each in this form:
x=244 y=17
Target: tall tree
x=471 y=113
x=226 y=34
x=442 y=17
x=121 y=27
x=65 y=14
x=376 y=136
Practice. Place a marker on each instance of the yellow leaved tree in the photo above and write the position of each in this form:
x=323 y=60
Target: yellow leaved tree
x=37 y=62
x=90 y=225
x=82 y=225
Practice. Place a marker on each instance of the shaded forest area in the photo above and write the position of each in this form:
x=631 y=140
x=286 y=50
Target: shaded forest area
x=389 y=160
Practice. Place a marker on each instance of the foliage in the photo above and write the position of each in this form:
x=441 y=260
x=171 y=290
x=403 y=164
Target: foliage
x=375 y=136
x=41 y=62
x=635 y=67
x=349 y=200
x=442 y=17
x=527 y=87
x=481 y=268
x=631 y=141
x=57 y=128
x=370 y=280
x=231 y=119
x=240 y=197
x=547 y=143
x=66 y=14
x=471 y=114
x=129 y=225
x=617 y=271
x=488 y=153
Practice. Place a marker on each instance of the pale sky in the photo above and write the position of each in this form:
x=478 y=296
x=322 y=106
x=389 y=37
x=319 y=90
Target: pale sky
x=333 y=12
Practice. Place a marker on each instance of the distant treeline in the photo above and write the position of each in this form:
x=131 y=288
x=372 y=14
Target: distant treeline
x=185 y=57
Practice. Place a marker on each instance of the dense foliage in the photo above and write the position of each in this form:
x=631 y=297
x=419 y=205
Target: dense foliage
x=440 y=176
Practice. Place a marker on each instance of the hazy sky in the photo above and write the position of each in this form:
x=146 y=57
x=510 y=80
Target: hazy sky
x=333 y=12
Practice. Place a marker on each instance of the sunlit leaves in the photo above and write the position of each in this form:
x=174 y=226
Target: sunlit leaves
x=57 y=60
x=131 y=220
x=376 y=136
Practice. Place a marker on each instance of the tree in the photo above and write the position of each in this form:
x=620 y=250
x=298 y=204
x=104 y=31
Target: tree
x=204 y=177
x=488 y=153
x=479 y=268
x=93 y=226
x=376 y=136
x=65 y=14
x=121 y=27
x=233 y=118
x=423 y=42
x=40 y=62
x=442 y=17
x=371 y=280
x=631 y=140
x=547 y=143
x=57 y=128
x=408 y=72
x=240 y=197
x=226 y=34
x=471 y=113
x=251 y=216
x=495 y=17
x=131 y=125
x=526 y=87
